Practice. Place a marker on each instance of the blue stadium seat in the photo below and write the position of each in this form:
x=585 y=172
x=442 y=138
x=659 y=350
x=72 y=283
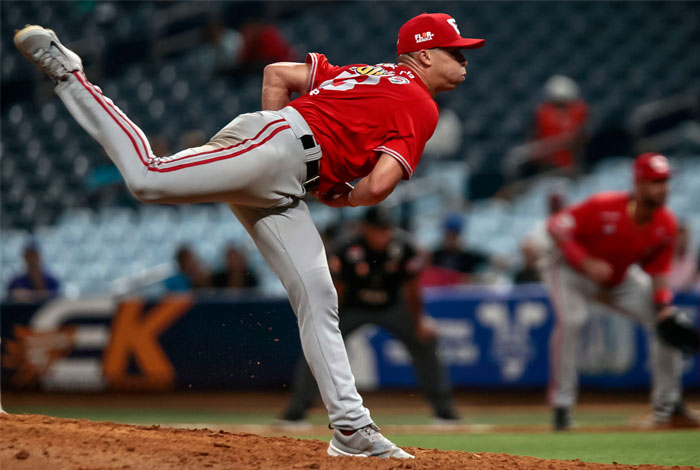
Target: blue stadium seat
x=46 y=155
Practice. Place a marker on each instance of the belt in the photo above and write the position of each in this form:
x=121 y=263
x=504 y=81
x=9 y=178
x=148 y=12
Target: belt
x=312 y=167
x=312 y=151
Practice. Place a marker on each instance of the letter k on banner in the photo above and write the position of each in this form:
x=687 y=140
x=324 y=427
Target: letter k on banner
x=135 y=334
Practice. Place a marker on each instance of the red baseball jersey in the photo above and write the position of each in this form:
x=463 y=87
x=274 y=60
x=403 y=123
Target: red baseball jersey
x=553 y=120
x=603 y=228
x=357 y=112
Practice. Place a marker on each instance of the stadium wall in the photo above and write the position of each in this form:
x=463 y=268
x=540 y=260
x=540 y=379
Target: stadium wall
x=496 y=338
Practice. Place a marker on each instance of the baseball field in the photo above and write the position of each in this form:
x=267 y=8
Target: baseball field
x=237 y=430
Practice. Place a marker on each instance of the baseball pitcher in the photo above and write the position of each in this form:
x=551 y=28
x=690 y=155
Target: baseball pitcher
x=366 y=122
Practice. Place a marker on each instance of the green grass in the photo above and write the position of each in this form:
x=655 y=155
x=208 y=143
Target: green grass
x=138 y=415
x=634 y=448
x=659 y=448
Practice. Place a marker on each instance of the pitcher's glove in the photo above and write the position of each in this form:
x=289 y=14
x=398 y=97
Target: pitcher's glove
x=336 y=195
x=677 y=331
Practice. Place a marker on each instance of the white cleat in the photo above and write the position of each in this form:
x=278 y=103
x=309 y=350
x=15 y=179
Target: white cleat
x=41 y=46
x=365 y=442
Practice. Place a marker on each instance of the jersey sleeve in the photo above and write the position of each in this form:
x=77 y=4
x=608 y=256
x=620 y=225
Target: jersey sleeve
x=572 y=220
x=413 y=124
x=566 y=224
x=321 y=69
x=660 y=261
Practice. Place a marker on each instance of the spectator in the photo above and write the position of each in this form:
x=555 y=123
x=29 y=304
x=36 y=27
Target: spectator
x=558 y=140
x=529 y=272
x=236 y=274
x=226 y=44
x=560 y=123
x=685 y=262
x=263 y=44
x=191 y=275
x=36 y=283
x=249 y=49
x=455 y=264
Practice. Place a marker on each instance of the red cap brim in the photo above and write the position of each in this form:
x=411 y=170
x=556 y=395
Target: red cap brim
x=465 y=43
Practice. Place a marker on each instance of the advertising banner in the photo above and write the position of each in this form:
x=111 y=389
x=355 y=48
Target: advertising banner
x=499 y=338
x=488 y=338
x=177 y=341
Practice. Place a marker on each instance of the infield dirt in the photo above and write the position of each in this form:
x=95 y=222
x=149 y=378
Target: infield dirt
x=42 y=442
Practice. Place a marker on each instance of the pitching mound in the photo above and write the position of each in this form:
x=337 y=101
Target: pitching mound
x=42 y=442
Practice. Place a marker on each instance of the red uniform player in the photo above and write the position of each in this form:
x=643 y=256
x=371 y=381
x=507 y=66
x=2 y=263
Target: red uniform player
x=366 y=122
x=376 y=87
x=616 y=248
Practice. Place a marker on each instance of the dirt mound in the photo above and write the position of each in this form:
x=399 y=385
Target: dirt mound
x=42 y=442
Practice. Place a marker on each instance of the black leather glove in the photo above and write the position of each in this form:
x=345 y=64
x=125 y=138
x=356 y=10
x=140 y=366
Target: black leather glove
x=677 y=331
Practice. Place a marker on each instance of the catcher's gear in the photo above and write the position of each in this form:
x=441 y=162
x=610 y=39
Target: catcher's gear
x=676 y=330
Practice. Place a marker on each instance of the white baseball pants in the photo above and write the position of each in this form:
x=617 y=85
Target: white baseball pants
x=572 y=293
x=257 y=165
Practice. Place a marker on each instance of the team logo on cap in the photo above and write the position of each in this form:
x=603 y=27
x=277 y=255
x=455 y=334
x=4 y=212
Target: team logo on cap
x=423 y=37
x=658 y=163
x=453 y=23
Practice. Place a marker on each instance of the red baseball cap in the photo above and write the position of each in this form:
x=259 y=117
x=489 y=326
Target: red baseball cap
x=651 y=166
x=429 y=30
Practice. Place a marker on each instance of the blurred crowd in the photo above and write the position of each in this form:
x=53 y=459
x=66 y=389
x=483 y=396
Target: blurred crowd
x=192 y=274
x=556 y=143
x=453 y=262
x=246 y=49
x=37 y=283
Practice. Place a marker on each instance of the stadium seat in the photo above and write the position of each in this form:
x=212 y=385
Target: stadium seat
x=46 y=156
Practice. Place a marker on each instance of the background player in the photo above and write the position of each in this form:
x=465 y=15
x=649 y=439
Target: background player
x=376 y=276
x=368 y=122
x=599 y=241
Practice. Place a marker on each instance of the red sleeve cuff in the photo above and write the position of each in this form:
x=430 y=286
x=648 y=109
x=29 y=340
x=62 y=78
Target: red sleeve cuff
x=312 y=59
x=663 y=297
x=403 y=161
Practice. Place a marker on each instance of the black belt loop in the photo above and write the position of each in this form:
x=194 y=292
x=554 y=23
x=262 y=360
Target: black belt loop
x=312 y=175
x=307 y=141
